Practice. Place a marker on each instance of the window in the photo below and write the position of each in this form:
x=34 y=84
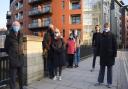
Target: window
x=75 y=19
x=19 y=5
x=75 y=5
x=16 y=5
x=46 y=8
x=21 y=15
x=46 y=21
x=17 y=17
x=63 y=32
x=63 y=4
x=34 y=20
x=63 y=19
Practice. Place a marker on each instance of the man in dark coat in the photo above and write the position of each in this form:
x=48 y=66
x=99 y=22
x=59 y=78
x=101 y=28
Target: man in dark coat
x=47 y=41
x=95 y=44
x=108 y=52
x=13 y=47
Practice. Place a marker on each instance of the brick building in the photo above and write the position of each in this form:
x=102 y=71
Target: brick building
x=125 y=26
x=36 y=15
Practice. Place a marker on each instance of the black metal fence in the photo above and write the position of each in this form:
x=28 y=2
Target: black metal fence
x=4 y=69
x=85 y=51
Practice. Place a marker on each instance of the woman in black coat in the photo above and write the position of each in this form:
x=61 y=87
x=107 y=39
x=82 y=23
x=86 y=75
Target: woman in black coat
x=58 y=47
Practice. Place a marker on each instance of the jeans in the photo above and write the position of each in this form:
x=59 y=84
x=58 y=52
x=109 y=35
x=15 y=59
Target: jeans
x=77 y=56
x=102 y=73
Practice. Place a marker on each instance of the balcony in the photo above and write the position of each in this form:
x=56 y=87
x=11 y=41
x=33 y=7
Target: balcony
x=8 y=24
x=37 y=12
x=38 y=25
x=38 y=1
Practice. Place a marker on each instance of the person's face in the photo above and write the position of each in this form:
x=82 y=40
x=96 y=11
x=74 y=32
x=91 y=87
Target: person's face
x=97 y=28
x=16 y=26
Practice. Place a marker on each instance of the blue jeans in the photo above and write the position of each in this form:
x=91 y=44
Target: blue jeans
x=77 y=56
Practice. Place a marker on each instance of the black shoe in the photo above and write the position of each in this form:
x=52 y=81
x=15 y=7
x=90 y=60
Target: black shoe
x=68 y=66
x=92 y=70
x=76 y=66
x=97 y=84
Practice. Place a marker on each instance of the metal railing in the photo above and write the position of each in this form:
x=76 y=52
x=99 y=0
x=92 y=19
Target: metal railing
x=4 y=69
x=40 y=12
x=39 y=25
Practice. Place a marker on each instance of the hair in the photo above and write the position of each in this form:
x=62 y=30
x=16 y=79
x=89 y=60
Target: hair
x=97 y=26
x=106 y=25
x=16 y=22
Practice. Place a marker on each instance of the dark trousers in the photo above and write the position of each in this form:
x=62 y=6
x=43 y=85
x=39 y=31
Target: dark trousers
x=70 y=60
x=58 y=69
x=45 y=66
x=94 y=61
x=50 y=64
x=102 y=73
x=14 y=72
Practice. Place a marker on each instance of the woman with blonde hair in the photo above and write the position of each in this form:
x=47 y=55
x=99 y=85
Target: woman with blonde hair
x=58 y=47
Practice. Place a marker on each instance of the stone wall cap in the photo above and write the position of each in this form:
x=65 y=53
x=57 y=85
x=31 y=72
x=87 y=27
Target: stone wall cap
x=32 y=38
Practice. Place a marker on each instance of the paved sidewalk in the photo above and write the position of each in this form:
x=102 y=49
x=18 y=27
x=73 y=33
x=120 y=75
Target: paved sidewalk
x=77 y=78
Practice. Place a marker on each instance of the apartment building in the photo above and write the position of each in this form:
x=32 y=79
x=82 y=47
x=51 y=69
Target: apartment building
x=36 y=15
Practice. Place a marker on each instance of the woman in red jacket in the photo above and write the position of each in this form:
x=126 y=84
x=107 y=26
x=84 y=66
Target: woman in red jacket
x=70 y=50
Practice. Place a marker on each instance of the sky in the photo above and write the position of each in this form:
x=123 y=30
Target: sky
x=4 y=7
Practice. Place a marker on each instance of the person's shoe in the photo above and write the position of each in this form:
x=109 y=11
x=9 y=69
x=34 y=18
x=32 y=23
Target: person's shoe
x=55 y=78
x=76 y=66
x=68 y=66
x=97 y=84
x=92 y=69
x=109 y=85
x=60 y=78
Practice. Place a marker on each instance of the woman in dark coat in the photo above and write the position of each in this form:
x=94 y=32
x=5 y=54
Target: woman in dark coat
x=58 y=54
x=108 y=51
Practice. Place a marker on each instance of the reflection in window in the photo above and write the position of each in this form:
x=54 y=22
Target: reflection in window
x=46 y=21
x=75 y=5
x=75 y=19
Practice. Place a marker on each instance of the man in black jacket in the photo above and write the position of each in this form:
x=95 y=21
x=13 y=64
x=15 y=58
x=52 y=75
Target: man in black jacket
x=95 y=44
x=47 y=41
x=108 y=52
x=13 y=47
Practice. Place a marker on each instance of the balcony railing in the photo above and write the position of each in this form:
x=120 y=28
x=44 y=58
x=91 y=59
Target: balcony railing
x=34 y=1
x=38 y=25
x=40 y=12
x=38 y=1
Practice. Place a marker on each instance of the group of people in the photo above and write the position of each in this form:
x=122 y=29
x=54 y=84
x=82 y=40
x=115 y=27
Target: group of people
x=104 y=45
x=57 y=53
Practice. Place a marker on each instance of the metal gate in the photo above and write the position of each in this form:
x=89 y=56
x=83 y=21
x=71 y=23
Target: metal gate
x=4 y=62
